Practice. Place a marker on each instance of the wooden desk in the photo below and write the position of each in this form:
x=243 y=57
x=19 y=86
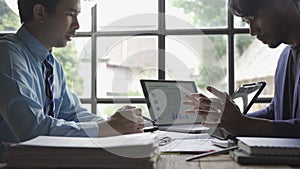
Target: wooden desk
x=212 y=162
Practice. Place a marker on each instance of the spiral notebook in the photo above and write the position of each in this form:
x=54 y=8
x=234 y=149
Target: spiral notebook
x=243 y=158
x=269 y=146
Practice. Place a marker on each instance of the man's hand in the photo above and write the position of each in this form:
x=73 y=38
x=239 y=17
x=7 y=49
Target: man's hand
x=231 y=117
x=204 y=106
x=126 y=120
x=220 y=111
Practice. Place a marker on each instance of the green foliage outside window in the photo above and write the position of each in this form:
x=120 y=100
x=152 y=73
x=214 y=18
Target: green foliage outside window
x=212 y=14
x=207 y=13
x=68 y=58
x=9 y=21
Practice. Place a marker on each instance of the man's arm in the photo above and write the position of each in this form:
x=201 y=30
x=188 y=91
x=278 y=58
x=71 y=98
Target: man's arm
x=25 y=116
x=71 y=109
x=22 y=100
x=287 y=128
x=266 y=113
x=269 y=128
x=238 y=124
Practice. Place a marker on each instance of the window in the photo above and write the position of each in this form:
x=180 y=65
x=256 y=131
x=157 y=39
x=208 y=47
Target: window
x=121 y=42
x=9 y=20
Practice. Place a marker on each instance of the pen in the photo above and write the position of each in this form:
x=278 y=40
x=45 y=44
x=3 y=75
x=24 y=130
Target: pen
x=150 y=128
x=212 y=153
x=146 y=118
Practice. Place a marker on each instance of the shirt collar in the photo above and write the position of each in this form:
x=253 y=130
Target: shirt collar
x=32 y=44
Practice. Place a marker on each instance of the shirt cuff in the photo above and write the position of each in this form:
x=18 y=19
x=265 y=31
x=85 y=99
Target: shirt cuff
x=91 y=129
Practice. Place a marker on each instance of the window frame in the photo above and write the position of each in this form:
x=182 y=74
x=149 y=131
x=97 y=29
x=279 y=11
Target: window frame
x=161 y=33
x=230 y=31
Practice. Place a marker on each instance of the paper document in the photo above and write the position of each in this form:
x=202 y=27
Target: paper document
x=126 y=151
x=186 y=143
x=83 y=142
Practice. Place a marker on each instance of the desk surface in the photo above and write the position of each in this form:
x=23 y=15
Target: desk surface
x=212 y=162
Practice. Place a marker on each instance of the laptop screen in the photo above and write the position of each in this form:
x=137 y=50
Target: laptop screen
x=164 y=100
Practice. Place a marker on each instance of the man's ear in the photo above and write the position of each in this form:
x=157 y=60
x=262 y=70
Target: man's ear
x=39 y=12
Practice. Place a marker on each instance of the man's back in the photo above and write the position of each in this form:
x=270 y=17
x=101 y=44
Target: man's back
x=6 y=136
x=12 y=49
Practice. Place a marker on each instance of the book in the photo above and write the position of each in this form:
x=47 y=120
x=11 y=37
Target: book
x=244 y=158
x=269 y=146
x=125 y=151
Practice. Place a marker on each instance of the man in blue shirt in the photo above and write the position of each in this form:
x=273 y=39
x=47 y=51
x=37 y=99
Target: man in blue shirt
x=24 y=104
x=273 y=22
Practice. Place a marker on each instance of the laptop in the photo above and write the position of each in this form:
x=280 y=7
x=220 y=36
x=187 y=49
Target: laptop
x=164 y=101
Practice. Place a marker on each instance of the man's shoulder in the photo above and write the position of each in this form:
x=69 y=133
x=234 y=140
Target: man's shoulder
x=285 y=52
x=10 y=41
x=11 y=49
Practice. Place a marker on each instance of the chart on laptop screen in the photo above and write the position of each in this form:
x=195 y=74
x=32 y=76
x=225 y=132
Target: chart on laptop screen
x=165 y=99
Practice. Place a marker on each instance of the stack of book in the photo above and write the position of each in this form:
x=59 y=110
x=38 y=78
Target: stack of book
x=267 y=151
x=126 y=151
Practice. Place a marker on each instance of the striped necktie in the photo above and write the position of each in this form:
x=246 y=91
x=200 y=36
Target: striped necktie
x=49 y=77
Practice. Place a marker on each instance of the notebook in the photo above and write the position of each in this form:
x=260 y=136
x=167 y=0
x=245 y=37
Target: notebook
x=164 y=100
x=246 y=159
x=270 y=146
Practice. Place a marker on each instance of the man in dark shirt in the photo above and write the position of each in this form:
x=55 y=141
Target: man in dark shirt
x=273 y=22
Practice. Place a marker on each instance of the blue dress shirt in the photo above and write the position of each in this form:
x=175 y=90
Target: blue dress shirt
x=23 y=101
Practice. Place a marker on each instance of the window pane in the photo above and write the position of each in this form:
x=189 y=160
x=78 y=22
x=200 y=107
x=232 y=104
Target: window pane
x=238 y=23
x=255 y=61
x=127 y=15
x=88 y=107
x=76 y=61
x=200 y=58
x=188 y=14
x=9 y=16
x=85 y=17
x=106 y=110
x=122 y=62
x=257 y=106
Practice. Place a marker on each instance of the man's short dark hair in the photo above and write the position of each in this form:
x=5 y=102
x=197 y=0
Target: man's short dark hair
x=244 y=8
x=26 y=8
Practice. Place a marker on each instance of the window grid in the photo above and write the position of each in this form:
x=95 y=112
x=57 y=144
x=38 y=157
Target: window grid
x=94 y=61
x=161 y=33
